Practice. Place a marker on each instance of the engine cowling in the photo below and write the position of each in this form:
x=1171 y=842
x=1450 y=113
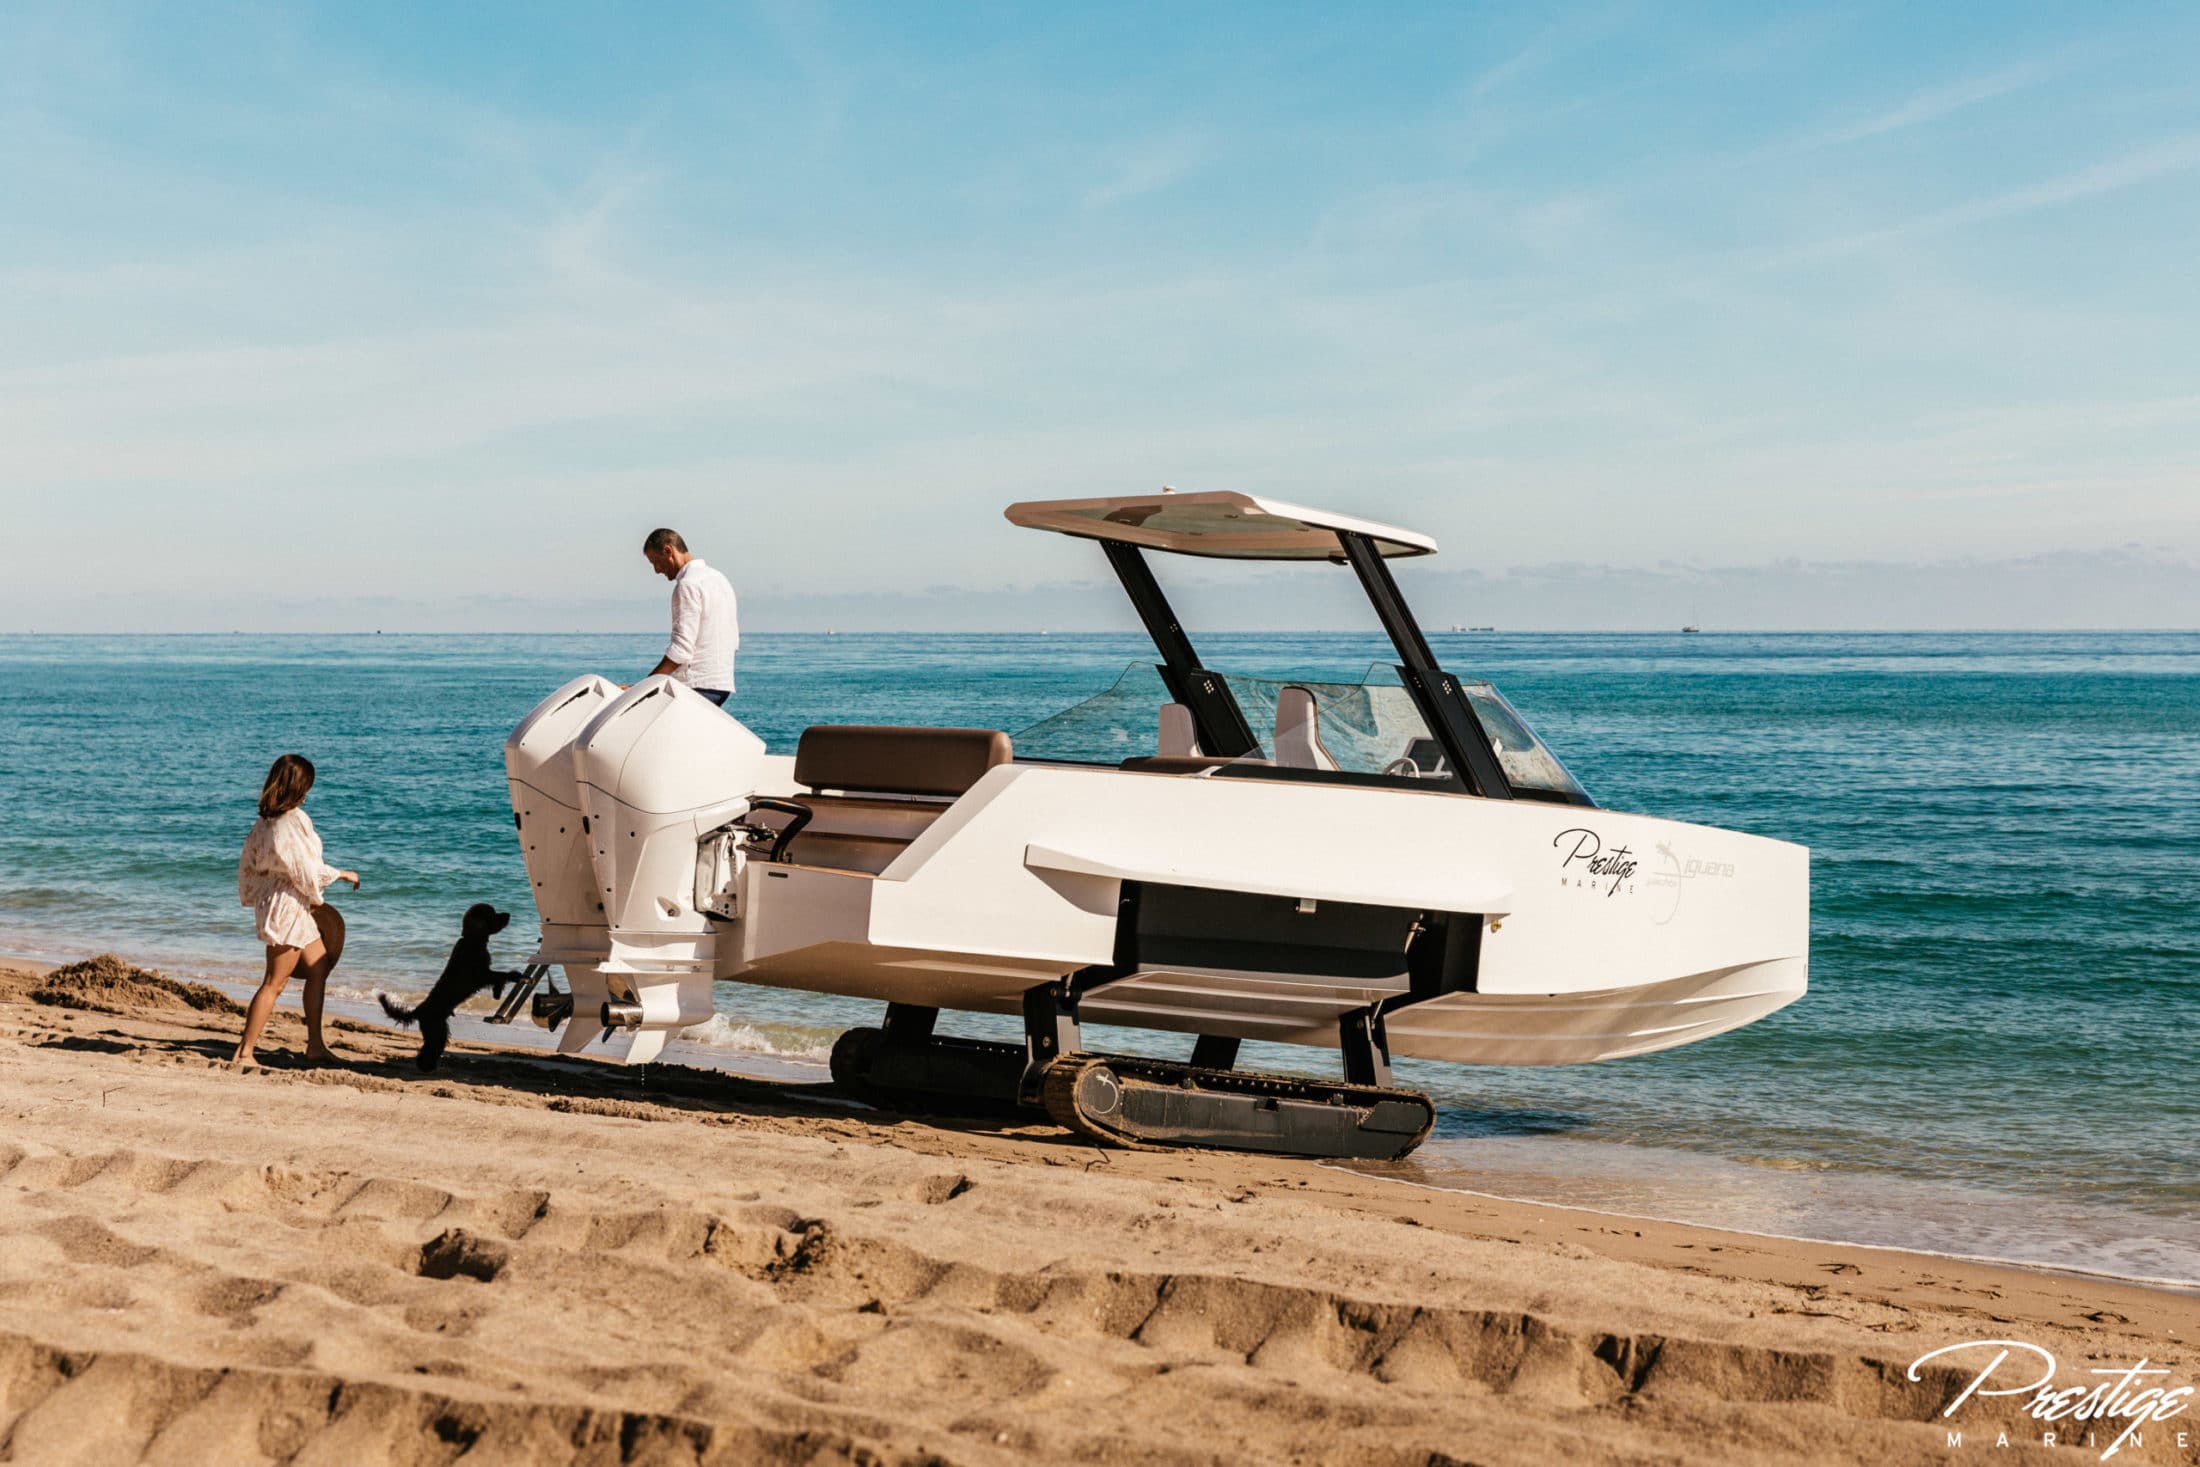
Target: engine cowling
x=546 y=806
x=657 y=769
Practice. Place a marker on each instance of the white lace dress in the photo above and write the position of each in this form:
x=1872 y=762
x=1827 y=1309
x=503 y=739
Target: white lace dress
x=281 y=876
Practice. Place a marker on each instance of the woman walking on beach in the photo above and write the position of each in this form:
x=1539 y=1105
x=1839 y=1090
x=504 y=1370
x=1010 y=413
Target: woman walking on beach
x=281 y=877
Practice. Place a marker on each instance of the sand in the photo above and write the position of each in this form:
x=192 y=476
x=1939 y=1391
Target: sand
x=525 y=1259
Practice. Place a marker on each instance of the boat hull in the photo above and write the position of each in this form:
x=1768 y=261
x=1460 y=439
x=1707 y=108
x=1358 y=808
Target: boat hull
x=1284 y=904
x=1025 y=878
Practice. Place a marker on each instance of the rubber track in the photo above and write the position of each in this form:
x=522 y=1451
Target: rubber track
x=851 y=1058
x=1062 y=1075
x=1060 y=1090
x=856 y=1052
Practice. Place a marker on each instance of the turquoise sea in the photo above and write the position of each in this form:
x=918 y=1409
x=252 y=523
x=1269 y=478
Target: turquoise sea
x=1996 y=1057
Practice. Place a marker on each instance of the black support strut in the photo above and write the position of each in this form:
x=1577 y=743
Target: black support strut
x=1443 y=704
x=909 y=1023
x=1050 y=1030
x=1223 y=731
x=1366 y=1047
x=1214 y=1052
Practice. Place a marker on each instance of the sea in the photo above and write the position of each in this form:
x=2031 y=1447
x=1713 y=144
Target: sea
x=1995 y=1058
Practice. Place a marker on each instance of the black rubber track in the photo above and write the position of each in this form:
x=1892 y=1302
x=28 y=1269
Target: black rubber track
x=1064 y=1076
x=945 y=1075
x=954 y=1076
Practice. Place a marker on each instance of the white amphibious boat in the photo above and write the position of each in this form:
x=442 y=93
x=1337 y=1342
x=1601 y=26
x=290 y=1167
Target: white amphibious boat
x=1396 y=866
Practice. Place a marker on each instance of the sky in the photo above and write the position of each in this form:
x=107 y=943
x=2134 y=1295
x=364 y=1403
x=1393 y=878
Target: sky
x=329 y=318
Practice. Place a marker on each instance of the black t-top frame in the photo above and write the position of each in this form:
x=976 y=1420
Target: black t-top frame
x=1223 y=731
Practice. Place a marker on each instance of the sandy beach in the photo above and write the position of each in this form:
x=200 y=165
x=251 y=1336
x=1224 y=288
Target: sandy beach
x=527 y=1259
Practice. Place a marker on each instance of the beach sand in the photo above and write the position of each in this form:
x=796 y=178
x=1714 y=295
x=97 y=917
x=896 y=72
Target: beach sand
x=525 y=1259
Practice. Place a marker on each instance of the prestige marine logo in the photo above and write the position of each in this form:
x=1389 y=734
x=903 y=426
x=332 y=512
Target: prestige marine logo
x=2120 y=1399
x=1589 y=865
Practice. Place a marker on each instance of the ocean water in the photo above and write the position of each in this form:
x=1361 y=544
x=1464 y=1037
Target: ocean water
x=1996 y=1057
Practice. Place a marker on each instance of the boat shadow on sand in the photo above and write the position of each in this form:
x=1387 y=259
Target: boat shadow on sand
x=164 y=1019
x=108 y=1006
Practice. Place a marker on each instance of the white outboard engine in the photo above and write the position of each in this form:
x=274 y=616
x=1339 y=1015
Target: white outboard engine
x=546 y=806
x=657 y=769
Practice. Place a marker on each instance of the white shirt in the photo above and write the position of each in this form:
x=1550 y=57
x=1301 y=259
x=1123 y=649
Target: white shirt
x=281 y=877
x=705 y=628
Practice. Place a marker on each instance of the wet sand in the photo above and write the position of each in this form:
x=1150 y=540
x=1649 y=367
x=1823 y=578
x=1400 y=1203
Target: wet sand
x=527 y=1259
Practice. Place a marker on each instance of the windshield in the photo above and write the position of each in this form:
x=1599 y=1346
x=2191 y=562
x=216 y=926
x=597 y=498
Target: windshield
x=1118 y=724
x=1367 y=727
x=1527 y=763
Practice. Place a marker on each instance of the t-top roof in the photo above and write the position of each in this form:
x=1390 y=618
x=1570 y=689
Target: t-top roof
x=1216 y=523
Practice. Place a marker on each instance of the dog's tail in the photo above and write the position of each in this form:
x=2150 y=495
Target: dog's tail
x=401 y=1015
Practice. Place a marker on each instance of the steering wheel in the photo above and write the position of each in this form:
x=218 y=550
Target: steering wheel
x=1403 y=768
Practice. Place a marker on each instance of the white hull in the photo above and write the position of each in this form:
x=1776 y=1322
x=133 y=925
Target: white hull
x=1600 y=934
x=1465 y=1028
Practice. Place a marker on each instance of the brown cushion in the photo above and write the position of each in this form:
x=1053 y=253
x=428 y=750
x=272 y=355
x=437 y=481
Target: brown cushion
x=897 y=761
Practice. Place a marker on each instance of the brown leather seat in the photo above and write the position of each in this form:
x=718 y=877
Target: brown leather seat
x=857 y=830
x=884 y=760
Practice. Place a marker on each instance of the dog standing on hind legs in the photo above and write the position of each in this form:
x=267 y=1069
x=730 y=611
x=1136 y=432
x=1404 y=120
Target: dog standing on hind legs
x=466 y=974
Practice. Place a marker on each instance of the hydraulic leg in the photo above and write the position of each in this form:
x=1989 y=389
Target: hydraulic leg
x=909 y=1024
x=1366 y=1047
x=1215 y=1052
x=1050 y=1031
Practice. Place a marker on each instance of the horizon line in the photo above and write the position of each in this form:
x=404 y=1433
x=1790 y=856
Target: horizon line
x=1375 y=633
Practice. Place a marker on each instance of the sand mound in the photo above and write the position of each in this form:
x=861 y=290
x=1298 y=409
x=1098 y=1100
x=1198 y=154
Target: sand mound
x=111 y=986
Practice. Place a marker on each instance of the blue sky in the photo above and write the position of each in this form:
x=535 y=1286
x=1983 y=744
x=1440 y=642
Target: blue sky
x=426 y=313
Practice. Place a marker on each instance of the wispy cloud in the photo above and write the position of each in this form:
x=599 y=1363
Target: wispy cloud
x=1546 y=49
x=1146 y=168
x=1935 y=103
x=858 y=277
x=2164 y=159
x=577 y=244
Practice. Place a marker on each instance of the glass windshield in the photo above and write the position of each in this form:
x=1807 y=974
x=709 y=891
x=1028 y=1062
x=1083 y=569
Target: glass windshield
x=1121 y=723
x=1367 y=727
x=1527 y=763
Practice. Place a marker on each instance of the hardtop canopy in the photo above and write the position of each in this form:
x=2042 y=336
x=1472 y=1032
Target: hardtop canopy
x=1218 y=523
x=1230 y=526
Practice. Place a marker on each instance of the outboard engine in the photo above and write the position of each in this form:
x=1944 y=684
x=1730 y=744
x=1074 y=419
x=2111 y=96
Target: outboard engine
x=657 y=770
x=546 y=806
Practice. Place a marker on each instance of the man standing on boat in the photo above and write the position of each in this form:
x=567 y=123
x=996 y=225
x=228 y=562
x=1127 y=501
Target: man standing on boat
x=705 y=630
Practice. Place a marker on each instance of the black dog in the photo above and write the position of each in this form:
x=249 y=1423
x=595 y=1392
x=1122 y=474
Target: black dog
x=466 y=974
